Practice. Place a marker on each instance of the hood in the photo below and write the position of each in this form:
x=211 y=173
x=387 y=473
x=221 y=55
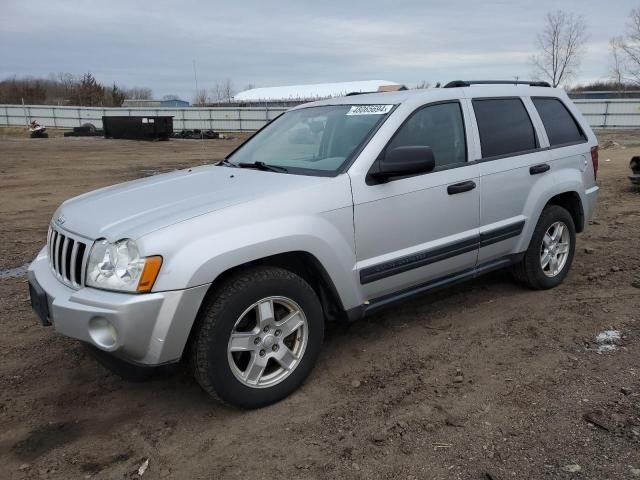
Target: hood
x=133 y=209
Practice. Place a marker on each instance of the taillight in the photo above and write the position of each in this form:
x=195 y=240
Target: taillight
x=594 y=161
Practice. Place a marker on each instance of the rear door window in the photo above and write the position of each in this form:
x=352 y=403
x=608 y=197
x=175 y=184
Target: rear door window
x=504 y=126
x=561 y=127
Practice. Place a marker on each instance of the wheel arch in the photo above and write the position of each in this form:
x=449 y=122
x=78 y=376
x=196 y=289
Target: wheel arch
x=571 y=202
x=566 y=196
x=303 y=264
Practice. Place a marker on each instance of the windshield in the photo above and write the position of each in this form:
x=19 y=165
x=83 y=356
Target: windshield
x=312 y=140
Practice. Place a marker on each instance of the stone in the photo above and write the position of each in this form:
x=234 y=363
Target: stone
x=572 y=468
x=378 y=436
x=589 y=250
x=355 y=383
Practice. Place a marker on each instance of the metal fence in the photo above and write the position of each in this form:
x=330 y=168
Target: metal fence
x=610 y=113
x=216 y=118
x=600 y=113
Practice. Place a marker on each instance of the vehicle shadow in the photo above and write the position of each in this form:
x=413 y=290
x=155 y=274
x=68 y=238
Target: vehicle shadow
x=174 y=389
x=418 y=310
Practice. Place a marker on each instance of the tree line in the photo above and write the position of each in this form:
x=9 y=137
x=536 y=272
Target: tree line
x=67 y=89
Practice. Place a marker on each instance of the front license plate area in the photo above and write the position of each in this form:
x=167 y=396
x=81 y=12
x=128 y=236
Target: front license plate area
x=39 y=302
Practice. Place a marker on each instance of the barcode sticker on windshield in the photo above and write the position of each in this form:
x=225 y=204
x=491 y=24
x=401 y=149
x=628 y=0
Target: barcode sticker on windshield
x=370 y=109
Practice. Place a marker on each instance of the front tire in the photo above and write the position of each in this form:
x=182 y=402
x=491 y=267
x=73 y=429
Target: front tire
x=548 y=259
x=257 y=337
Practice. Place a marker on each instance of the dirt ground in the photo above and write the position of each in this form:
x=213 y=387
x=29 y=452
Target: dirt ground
x=482 y=381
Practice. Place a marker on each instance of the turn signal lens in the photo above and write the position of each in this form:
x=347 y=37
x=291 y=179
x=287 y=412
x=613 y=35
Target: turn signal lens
x=149 y=274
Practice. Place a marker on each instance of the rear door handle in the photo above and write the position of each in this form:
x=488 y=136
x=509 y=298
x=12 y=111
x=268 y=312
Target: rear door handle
x=461 y=187
x=536 y=169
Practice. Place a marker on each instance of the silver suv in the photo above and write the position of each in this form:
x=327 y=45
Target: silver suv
x=332 y=211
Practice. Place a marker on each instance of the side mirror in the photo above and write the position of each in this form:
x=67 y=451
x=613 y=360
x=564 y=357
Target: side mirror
x=400 y=161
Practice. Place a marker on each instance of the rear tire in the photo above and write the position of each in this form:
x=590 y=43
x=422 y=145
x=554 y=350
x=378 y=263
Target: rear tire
x=548 y=259
x=257 y=337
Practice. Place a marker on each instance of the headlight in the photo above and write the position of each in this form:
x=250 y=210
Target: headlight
x=119 y=266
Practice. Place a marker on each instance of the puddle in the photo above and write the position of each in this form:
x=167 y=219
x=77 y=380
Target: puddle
x=608 y=340
x=17 y=272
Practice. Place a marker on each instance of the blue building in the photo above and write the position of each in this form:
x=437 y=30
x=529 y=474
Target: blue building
x=174 y=103
x=155 y=103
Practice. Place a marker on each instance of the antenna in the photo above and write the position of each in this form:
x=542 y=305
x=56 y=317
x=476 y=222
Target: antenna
x=195 y=76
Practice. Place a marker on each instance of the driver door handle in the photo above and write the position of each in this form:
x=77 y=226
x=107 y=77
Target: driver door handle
x=536 y=169
x=461 y=187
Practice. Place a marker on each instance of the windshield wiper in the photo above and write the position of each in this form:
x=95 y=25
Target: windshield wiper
x=263 y=166
x=227 y=163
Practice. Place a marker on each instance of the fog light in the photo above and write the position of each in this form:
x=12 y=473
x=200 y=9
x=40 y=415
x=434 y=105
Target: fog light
x=103 y=333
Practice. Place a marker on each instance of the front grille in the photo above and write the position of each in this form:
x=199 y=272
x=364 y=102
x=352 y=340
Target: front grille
x=67 y=257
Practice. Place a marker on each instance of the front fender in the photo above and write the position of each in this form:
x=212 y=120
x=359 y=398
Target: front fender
x=198 y=254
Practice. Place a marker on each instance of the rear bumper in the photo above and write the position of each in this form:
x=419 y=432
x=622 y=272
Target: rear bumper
x=144 y=329
x=591 y=199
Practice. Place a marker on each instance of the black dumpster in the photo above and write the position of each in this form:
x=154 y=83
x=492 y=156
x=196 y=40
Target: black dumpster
x=138 y=128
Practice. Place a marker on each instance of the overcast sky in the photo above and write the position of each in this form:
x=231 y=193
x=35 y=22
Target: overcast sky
x=285 y=42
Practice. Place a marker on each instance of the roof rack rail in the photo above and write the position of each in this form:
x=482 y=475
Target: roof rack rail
x=468 y=83
x=351 y=94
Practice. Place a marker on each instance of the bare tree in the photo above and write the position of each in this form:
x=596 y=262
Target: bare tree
x=560 y=45
x=138 y=93
x=227 y=90
x=115 y=96
x=201 y=97
x=88 y=92
x=629 y=45
x=216 y=93
x=222 y=91
x=617 y=67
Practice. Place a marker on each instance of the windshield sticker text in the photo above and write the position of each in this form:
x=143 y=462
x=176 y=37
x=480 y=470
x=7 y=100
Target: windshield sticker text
x=370 y=109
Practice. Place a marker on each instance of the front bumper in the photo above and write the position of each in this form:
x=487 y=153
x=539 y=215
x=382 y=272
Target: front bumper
x=146 y=329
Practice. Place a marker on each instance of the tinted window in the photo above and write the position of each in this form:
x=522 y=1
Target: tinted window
x=560 y=125
x=504 y=126
x=440 y=127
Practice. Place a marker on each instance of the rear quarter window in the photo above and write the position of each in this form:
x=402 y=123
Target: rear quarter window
x=504 y=126
x=561 y=127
